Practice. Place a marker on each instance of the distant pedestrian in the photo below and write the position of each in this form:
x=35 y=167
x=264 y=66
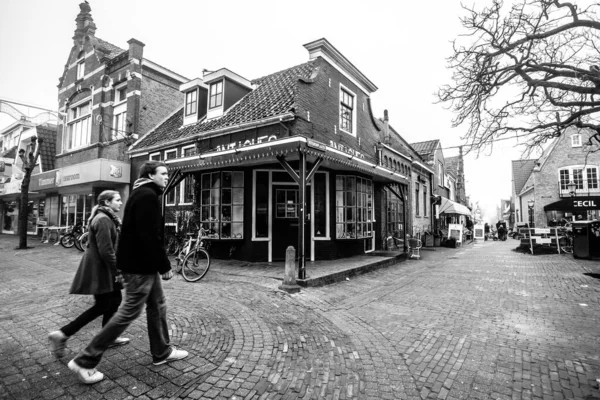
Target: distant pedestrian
x=97 y=273
x=143 y=260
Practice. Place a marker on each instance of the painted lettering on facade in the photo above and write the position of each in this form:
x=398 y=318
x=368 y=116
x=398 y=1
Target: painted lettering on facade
x=247 y=142
x=346 y=149
x=584 y=203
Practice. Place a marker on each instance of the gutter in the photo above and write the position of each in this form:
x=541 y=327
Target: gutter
x=206 y=135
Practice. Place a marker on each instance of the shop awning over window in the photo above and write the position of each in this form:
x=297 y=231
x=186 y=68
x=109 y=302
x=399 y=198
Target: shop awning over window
x=452 y=207
x=578 y=203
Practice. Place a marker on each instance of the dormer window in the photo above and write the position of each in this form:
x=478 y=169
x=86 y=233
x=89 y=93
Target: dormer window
x=191 y=102
x=576 y=140
x=347 y=111
x=216 y=95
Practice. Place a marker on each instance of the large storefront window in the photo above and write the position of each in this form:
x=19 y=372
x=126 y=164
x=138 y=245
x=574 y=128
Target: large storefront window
x=354 y=207
x=320 y=210
x=222 y=204
x=75 y=209
x=261 y=220
x=395 y=222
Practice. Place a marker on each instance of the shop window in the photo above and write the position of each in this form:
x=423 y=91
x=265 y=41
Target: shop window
x=77 y=133
x=173 y=194
x=187 y=190
x=417 y=201
x=320 y=205
x=354 y=207
x=261 y=219
x=222 y=204
x=395 y=223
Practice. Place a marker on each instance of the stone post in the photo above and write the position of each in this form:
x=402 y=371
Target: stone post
x=289 y=279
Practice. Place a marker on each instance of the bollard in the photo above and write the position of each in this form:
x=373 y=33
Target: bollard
x=289 y=278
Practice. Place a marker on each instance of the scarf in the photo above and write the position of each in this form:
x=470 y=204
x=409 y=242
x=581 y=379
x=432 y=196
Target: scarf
x=108 y=211
x=140 y=182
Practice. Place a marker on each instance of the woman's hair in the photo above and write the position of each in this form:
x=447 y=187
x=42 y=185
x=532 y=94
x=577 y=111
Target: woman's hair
x=106 y=196
x=149 y=168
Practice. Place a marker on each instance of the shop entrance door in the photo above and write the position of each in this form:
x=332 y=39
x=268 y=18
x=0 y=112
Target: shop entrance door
x=285 y=220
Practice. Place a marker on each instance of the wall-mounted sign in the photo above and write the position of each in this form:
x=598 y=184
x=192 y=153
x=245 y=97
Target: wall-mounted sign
x=346 y=149
x=93 y=171
x=245 y=142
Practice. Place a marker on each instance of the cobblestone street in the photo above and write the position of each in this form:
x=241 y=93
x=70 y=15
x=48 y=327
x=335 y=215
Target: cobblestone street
x=478 y=322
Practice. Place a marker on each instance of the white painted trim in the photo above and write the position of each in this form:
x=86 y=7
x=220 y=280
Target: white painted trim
x=182 y=192
x=397 y=152
x=354 y=111
x=423 y=166
x=165 y=152
x=197 y=82
x=150 y=155
x=135 y=61
x=164 y=71
x=143 y=154
x=64 y=89
x=341 y=70
x=191 y=146
x=225 y=73
x=173 y=160
x=254 y=147
x=134 y=93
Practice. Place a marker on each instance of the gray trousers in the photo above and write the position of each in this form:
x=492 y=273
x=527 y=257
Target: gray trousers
x=139 y=290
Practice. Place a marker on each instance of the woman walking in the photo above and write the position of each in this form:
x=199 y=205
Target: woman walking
x=97 y=273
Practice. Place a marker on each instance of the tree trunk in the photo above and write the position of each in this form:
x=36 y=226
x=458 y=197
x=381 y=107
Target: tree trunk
x=23 y=214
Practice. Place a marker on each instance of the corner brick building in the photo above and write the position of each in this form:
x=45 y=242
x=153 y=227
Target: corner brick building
x=108 y=97
x=295 y=158
x=567 y=159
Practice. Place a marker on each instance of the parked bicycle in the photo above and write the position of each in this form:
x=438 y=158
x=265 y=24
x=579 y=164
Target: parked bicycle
x=194 y=258
x=566 y=240
x=82 y=241
x=70 y=238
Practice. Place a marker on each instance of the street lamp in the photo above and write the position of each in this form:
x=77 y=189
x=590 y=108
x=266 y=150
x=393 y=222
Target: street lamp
x=572 y=187
x=530 y=204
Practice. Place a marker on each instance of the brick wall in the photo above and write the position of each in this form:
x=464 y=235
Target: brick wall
x=160 y=98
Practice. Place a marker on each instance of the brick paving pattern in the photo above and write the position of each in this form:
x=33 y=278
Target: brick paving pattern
x=479 y=322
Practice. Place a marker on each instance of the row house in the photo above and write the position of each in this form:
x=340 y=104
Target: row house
x=13 y=138
x=108 y=97
x=295 y=158
x=562 y=183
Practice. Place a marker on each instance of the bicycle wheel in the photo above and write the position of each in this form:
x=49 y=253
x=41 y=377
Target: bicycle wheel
x=195 y=265
x=82 y=241
x=67 y=240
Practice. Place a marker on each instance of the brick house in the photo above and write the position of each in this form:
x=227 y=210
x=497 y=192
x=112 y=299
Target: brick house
x=108 y=96
x=566 y=160
x=521 y=170
x=293 y=158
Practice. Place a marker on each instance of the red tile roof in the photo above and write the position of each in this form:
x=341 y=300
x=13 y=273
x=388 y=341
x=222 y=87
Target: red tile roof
x=426 y=149
x=275 y=95
x=521 y=169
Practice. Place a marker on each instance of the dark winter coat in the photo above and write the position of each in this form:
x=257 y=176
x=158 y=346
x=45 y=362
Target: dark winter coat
x=98 y=266
x=141 y=249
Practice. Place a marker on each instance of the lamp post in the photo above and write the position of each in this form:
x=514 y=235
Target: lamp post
x=530 y=204
x=572 y=187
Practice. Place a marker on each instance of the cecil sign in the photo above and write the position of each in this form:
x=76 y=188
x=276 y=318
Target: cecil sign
x=586 y=204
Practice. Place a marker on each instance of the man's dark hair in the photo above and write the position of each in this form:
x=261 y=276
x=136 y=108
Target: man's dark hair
x=149 y=168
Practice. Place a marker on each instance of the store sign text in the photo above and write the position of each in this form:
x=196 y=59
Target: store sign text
x=584 y=203
x=247 y=142
x=346 y=149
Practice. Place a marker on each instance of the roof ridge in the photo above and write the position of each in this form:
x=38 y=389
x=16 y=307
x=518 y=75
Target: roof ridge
x=282 y=71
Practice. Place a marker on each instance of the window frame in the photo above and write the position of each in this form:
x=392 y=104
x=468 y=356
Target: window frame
x=583 y=184
x=152 y=155
x=211 y=95
x=191 y=105
x=425 y=200
x=219 y=221
x=576 y=140
x=184 y=193
x=72 y=122
x=344 y=88
x=184 y=148
x=363 y=207
x=171 y=201
x=417 y=200
x=80 y=74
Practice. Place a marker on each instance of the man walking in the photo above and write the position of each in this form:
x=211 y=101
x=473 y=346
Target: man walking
x=142 y=260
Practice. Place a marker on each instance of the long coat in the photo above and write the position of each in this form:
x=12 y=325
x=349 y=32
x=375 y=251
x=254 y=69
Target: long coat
x=98 y=267
x=141 y=249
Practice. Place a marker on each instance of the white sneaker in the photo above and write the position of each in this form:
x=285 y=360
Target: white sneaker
x=175 y=355
x=58 y=342
x=120 y=341
x=87 y=376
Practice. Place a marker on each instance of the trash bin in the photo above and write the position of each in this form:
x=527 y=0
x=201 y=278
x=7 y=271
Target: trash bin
x=582 y=238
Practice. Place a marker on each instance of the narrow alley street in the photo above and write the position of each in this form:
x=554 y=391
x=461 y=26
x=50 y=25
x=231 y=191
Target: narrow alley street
x=478 y=322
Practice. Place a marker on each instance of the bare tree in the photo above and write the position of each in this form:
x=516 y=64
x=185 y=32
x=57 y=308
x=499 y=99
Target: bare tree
x=529 y=69
x=29 y=158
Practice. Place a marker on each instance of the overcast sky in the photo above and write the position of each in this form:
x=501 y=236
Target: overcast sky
x=401 y=47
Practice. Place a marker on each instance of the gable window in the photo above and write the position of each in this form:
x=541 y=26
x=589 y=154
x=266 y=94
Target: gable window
x=79 y=126
x=347 y=117
x=191 y=102
x=80 y=70
x=585 y=178
x=354 y=207
x=216 y=95
x=576 y=140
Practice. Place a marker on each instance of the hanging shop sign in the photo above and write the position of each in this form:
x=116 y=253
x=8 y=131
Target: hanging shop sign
x=89 y=172
x=237 y=144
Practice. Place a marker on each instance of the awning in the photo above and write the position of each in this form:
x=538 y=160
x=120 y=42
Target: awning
x=451 y=207
x=575 y=204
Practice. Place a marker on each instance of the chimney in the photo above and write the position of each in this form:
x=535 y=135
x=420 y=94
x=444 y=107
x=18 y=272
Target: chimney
x=136 y=49
x=386 y=127
x=85 y=24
